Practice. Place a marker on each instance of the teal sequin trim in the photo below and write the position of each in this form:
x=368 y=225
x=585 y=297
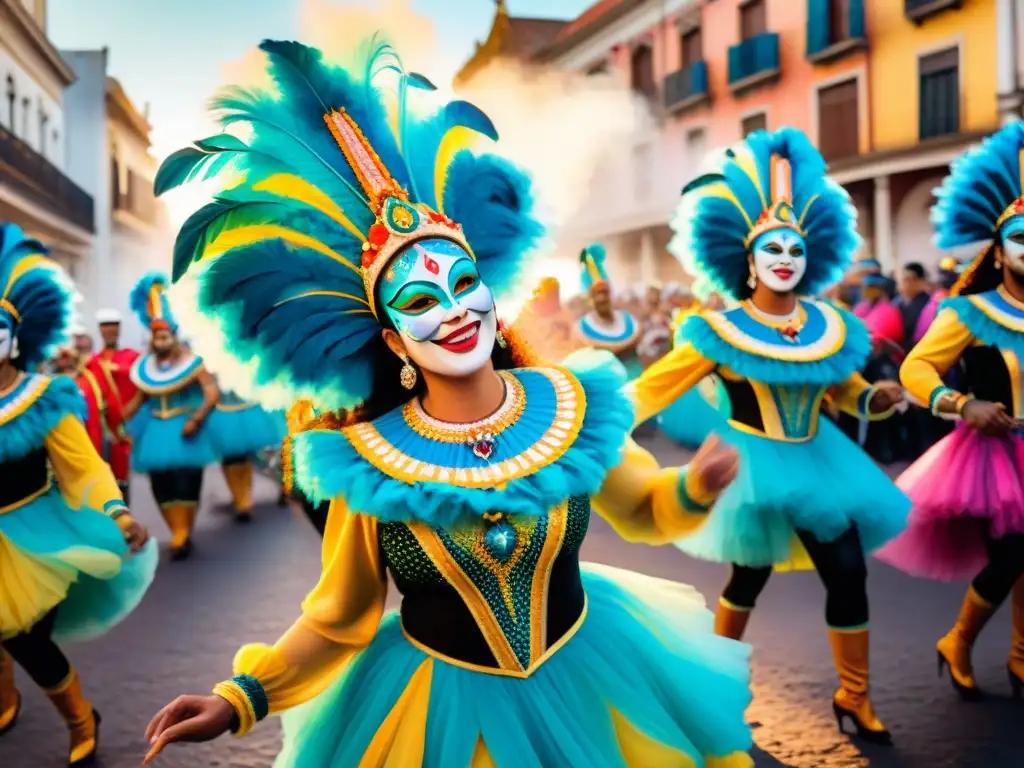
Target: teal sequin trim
x=255 y=693
x=685 y=499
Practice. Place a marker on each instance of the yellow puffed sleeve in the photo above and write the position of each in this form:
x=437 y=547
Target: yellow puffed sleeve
x=82 y=475
x=667 y=380
x=939 y=350
x=854 y=395
x=650 y=505
x=339 y=618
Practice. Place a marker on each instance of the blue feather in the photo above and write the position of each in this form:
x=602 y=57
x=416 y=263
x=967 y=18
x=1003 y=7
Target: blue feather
x=138 y=300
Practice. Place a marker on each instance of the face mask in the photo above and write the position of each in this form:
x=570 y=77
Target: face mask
x=433 y=295
x=1013 y=244
x=780 y=259
x=6 y=343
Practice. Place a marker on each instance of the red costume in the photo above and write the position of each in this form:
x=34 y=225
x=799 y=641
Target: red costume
x=95 y=410
x=111 y=368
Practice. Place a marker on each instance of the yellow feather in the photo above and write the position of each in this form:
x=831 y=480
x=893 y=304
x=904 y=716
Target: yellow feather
x=250 y=235
x=25 y=265
x=746 y=163
x=292 y=187
x=454 y=141
x=721 y=189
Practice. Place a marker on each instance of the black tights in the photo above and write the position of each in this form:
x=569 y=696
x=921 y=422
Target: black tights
x=1005 y=566
x=38 y=655
x=840 y=566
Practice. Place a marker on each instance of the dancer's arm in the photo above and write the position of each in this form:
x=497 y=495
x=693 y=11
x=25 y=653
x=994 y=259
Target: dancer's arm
x=84 y=479
x=872 y=402
x=645 y=503
x=133 y=405
x=211 y=396
x=667 y=380
x=939 y=350
x=339 y=618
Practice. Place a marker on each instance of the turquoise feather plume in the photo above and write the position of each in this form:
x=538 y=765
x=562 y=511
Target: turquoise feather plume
x=139 y=300
x=270 y=271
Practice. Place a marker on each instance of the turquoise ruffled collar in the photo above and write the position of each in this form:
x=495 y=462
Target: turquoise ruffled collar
x=629 y=330
x=993 y=317
x=559 y=433
x=830 y=346
x=32 y=409
x=155 y=379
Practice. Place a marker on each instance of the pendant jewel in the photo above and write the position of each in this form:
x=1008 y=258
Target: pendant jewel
x=790 y=334
x=482 y=445
x=500 y=540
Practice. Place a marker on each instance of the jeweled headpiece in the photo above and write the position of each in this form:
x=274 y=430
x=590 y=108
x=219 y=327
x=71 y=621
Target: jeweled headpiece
x=983 y=191
x=768 y=181
x=341 y=169
x=37 y=298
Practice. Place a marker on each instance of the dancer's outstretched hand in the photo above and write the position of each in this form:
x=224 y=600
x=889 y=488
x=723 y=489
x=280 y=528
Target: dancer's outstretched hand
x=988 y=418
x=135 y=533
x=716 y=463
x=188 y=718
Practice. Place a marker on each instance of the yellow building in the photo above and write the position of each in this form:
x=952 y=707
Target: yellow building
x=932 y=92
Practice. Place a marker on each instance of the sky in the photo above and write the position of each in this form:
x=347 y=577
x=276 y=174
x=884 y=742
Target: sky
x=174 y=55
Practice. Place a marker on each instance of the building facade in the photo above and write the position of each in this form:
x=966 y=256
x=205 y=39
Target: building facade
x=36 y=190
x=109 y=155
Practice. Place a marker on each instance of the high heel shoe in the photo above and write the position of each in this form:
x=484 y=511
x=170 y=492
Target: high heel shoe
x=882 y=738
x=966 y=692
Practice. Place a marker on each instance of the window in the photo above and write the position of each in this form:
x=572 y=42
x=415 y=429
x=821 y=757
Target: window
x=751 y=123
x=753 y=20
x=696 y=144
x=692 y=47
x=839 y=120
x=642 y=70
x=939 y=94
x=838 y=20
x=642 y=171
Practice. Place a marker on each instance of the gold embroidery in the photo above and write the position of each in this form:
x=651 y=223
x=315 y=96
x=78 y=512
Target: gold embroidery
x=471 y=539
x=506 y=415
x=556 y=526
x=830 y=342
x=24 y=399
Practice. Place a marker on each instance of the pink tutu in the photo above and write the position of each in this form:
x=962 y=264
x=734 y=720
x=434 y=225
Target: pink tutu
x=966 y=485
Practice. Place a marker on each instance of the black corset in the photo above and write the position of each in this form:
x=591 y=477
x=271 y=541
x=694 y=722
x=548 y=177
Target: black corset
x=20 y=478
x=986 y=376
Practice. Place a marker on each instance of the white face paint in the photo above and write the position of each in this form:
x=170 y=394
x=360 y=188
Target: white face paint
x=780 y=259
x=1013 y=244
x=6 y=343
x=434 y=296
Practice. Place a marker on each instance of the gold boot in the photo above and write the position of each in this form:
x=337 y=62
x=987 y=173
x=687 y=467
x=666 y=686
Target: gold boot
x=954 y=650
x=1015 y=668
x=239 y=480
x=180 y=517
x=731 y=620
x=10 y=698
x=82 y=720
x=850 y=652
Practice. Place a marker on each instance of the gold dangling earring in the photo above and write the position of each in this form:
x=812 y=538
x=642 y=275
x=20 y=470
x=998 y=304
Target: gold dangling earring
x=752 y=277
x=407 y=377
x=500 y=338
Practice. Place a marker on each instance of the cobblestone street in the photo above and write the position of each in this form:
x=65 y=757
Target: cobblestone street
x=245 y=584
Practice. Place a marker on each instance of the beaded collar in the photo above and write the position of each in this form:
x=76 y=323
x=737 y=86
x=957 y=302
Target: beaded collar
x=156 y=379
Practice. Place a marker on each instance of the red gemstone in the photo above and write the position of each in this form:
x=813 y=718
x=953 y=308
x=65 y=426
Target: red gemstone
x=378 y=235
x=483 y=449
x=789 y=333
x=369 y=256
x=437 y=217
x=432 y=266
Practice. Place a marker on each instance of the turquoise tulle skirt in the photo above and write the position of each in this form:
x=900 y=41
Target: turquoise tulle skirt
x=245 y=430
x=158 y=445
x=694 y=416
x=53 y=555
x=822 y=486
x=644 y=683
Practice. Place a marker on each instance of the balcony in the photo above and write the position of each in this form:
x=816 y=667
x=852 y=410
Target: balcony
x=754 y=62
x=835 y=28
x=35 y=177
x=686 y=87
x=136 y=200
x=919 y=10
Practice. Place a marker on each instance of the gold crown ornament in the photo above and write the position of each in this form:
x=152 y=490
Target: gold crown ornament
x=399 y=223
x=778 y=210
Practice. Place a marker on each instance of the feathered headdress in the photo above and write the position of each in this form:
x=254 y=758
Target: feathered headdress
x=37 y=298
x=340 y=169
x=592 y=271
x=982 y=192
x=149 y=303
x=768 y=181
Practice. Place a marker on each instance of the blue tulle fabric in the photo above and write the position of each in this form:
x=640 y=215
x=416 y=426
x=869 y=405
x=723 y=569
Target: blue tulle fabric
x=238 y=429
x=693 y=417
x=822 y=486
x=158 y=445
x=663 y=670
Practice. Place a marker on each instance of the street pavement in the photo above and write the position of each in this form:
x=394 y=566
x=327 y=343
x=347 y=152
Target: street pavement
x=245 y=584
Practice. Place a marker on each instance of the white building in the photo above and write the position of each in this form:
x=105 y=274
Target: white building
x=35 y=189
x=1010 y=58
x=109 y=154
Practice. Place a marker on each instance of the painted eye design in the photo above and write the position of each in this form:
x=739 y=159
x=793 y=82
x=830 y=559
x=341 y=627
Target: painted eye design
x=464 y=283
x=418 y=305
x=796 y=251
x=773 y=248
x=1017 y=237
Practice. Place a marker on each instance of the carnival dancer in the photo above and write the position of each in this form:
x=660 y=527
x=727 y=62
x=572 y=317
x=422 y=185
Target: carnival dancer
x=546 y=325
x=111 y=367
x=167 y=416
x=606 y=327
x=968 y=490
x=467 y=477
x=68 y=362
x=767 y=228
x=240 y=431
x=66 y=570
